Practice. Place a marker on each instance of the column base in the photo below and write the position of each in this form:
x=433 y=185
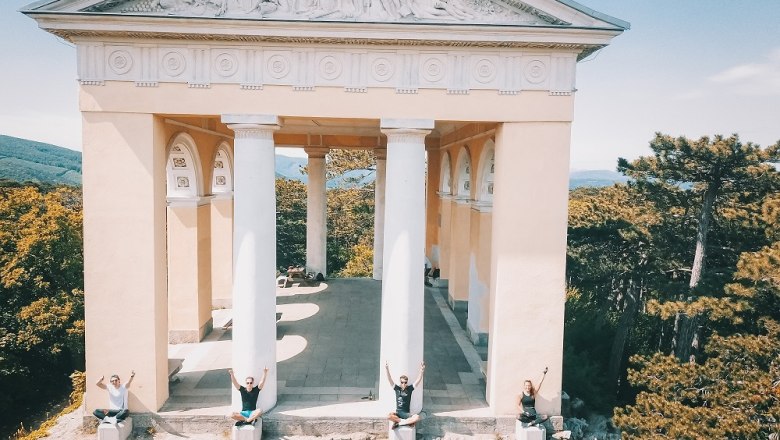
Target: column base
x=115 y=431
x=480 y=339
x=529 y=432
x=401 y=432
x=248 y=432
x=457 y=305
x=190 y=336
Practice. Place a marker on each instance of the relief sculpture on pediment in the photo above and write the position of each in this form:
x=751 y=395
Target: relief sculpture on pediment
x=472 y=11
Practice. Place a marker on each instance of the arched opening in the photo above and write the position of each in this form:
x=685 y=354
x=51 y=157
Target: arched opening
x=182 y=170
x=463 y=188
x=222 y=178
x=487 y=172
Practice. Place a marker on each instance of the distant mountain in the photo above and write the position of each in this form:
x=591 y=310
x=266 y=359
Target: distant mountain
x=23 y=160
x=595 y=178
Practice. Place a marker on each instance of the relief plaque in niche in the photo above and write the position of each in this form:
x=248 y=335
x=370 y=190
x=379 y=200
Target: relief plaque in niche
x=490 y=188
x=176 y=149
x=218 y=164
x=467 y=185
x=179 y=162
x=182 y=182
x=535 y=71
x=120 y=61
x=221 y=181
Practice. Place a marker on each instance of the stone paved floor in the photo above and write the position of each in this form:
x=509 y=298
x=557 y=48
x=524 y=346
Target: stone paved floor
x=328 y=353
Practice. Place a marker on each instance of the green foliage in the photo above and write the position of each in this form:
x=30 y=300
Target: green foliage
x=290 y=223
x=361 y=264
x=41 y=300
x=23 y=160
x=350 y=223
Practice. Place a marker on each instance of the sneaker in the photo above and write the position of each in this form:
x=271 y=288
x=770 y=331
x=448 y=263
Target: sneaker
x=240 y=423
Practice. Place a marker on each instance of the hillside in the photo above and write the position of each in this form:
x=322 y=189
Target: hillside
x=23 y=160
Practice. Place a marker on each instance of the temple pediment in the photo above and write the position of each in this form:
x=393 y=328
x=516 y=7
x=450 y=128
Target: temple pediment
x=563 y=13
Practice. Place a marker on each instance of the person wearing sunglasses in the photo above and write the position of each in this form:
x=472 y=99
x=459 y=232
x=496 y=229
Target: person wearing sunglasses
x=249 y=411
x=117 y=399
x=403 y=398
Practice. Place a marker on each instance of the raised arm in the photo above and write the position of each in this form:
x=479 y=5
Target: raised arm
x=389 y=376
x=262 y=381
x=544 y=374
x=100 y=383
x=233 y=379
x=420 y=376
x=132 y=375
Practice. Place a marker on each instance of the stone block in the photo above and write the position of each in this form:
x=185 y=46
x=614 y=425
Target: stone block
x=529 y=432
x=115 y=431
x=248 y=432
x=401 y=432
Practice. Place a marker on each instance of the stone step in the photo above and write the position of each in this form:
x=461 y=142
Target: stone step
x=279 y=425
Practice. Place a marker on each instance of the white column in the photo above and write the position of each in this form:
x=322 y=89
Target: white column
x=254 y=252
x=404 y=246
x=379 y=211
x=528 y=263
x=316 y=212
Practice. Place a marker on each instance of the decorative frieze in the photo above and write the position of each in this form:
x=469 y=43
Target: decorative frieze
x=457 y=72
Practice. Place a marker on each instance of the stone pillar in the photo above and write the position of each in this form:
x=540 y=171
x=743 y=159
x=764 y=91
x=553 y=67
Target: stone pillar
x=459 y=241
x=379 y=211
x=478 y=321
x=402 y=280
x=528 y=263
x=222 y=250
x=126 y=300
x=316 y=212
x=254 y=252
x=189 y=270
x=445 y=232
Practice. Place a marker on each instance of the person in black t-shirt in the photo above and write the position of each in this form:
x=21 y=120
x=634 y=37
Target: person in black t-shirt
x=249 y=410
x=403 y=398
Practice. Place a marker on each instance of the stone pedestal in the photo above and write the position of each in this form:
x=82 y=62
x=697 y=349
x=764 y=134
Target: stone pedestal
x=401 y=432
x=248 y=432
x=529 y=432
x=119 y=431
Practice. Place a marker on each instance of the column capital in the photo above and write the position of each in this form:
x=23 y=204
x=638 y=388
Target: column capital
x=420 y=124
x=405 y=135
x=252 y=126
x=316 y=152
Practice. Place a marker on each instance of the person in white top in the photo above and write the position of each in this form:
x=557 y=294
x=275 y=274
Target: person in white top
x=117 y=399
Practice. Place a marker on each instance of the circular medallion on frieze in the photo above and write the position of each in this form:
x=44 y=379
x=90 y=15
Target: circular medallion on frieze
x=535 y=71
x=484 y=71
x=330 y=67
x=382 y=69
x=226 y=64
x=433 y=70
x=278 y=66
x=120 y=61
x=173 y=63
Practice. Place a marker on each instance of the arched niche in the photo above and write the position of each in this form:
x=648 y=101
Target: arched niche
x=445 y=185
x=463 y=175
x=222 y=176
x=183 y=170
x=487 y=168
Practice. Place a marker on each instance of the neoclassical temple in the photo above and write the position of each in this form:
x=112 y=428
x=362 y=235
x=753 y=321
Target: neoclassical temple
x=468 y=105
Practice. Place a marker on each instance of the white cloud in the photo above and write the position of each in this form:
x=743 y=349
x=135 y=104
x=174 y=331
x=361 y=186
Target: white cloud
x=761 y=78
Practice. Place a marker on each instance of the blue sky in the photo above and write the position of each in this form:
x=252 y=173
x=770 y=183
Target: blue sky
x=686 y=67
